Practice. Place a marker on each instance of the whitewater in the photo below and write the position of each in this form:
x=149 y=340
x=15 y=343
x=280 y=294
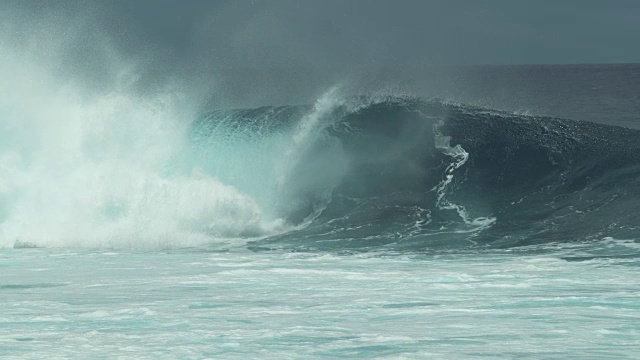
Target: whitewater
x=364 y=224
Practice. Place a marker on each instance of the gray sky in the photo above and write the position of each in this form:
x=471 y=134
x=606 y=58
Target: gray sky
x=338 y=33
x=322 y=39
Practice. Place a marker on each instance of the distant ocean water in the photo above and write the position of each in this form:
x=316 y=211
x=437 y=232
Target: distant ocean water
x=496 y=220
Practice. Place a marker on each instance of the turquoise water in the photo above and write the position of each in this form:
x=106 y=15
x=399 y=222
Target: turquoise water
x=92 y=304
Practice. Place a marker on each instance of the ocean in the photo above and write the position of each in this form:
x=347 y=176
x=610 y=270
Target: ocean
x=475 y=212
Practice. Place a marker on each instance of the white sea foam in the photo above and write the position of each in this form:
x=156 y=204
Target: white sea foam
x=184 y=304
x=105 y=168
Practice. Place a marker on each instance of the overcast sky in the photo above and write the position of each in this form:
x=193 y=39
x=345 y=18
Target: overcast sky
x=321 y=38
x=339 y=33
x=386 y=32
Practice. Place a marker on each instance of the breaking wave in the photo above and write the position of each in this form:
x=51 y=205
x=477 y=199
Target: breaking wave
x=410 y=174
x=398 y=173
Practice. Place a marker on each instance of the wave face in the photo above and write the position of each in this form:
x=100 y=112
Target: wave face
x=409 y=174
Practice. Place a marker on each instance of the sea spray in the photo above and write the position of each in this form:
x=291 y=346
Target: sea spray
x=106 y=168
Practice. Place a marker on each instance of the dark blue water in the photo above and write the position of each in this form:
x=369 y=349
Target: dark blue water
x=416 y=173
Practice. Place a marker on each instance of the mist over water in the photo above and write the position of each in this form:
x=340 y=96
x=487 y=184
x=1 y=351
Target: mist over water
x=107 y=167
x=114 y=166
